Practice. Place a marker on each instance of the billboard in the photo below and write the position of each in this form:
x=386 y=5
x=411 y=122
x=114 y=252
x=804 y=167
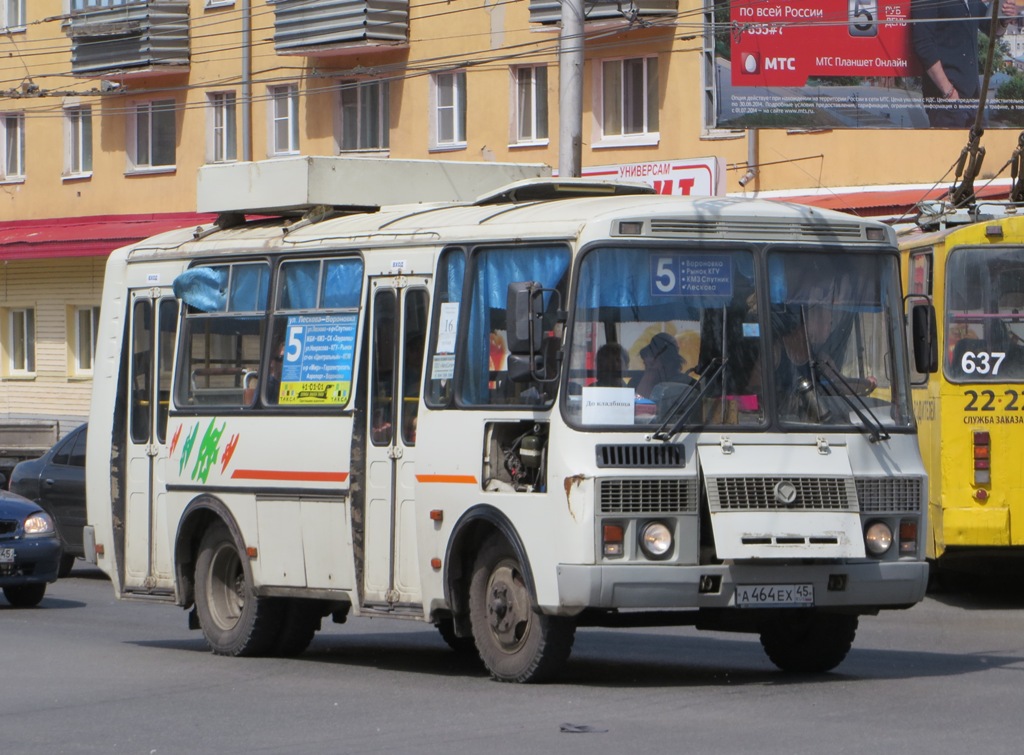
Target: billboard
x=865 y=64
x=701 y=176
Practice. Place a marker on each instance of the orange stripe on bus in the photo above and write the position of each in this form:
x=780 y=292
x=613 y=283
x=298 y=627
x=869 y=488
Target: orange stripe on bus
x=465 y=479
x=287 y=476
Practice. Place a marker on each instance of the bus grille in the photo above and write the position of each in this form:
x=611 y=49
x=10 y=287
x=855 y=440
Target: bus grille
x=639 y=496
x=651 y=455
x=758 y=494
x=888 y=494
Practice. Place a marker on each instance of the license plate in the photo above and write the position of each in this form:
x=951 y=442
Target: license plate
x=6 y=555
x=774 y=595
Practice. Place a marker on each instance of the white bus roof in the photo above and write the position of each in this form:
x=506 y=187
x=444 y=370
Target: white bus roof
x=582 y=217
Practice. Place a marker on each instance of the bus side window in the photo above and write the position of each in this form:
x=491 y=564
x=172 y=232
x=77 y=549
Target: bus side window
x=451 y=270
x=223 y=327
x=483 y=370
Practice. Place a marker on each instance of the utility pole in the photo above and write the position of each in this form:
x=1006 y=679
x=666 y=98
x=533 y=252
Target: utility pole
x=570 y=90
x=246 y=114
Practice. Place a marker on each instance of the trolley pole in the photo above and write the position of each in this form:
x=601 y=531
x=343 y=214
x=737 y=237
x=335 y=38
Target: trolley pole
x=570 y=90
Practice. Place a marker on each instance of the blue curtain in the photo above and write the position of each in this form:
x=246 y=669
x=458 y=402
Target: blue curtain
x=343 y=283
x=206 y=288
x=203 y=288
x=495 y=268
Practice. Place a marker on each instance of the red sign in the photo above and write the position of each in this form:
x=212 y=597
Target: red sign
x=785 y=42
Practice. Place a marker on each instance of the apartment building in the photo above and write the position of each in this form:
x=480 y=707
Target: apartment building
x=109 y=107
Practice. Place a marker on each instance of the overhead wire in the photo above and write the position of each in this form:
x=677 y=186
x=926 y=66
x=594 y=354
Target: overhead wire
x=219 y=22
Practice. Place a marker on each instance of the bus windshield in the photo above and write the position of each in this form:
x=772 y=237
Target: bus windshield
x=674 y=336
x=985 y=315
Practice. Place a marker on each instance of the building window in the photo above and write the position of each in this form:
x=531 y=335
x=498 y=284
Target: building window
x=12 y=132
x=12 y=14
x=153 y=134
x=86 y=322
x=449 y=106
x=629 y=100
x=365 y=115
x=222 y=137
x=21 y=341
x=530 y=105
x=284 y=117
x=77 y=5
x=78 y=141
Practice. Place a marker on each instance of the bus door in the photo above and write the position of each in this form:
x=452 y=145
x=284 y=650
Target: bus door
x=152 y=326
x=398 y=328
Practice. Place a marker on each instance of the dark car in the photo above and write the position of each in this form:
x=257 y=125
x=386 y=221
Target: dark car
x=56 y=481
x=30 y=550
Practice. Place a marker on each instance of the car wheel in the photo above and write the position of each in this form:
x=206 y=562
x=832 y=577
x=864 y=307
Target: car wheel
x=25 y=596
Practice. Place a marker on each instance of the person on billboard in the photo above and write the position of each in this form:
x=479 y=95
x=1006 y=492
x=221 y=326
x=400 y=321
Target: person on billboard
x=945 y=39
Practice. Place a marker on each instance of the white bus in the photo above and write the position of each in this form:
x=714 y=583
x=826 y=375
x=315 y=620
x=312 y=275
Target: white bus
x=562 y=404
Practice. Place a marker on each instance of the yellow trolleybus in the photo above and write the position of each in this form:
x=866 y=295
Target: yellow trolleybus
x=971 y=411
x=558 y=404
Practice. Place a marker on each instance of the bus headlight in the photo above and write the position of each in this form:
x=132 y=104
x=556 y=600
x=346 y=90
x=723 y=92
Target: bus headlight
x=878 y=538
x=656 y=540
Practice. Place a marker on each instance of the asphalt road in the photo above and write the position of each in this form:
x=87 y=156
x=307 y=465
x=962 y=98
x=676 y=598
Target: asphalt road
x=84 y=673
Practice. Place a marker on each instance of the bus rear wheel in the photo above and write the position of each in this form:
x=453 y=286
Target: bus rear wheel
x=808 y=641
x=515 y=643
x=234 y=620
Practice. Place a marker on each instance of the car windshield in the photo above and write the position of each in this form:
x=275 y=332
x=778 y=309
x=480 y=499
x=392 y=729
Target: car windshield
x=664 y=337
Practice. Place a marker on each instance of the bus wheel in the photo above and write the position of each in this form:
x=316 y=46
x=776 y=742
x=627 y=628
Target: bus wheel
x=463 y=646
x=515 y=643
x=67 y=563
x=301 y=620
x=234 y=620
x=808 y=641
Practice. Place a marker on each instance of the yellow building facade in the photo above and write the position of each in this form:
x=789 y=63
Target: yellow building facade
x=108 y=108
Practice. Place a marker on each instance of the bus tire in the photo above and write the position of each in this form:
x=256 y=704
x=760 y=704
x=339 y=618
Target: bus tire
x=808 y=642
x=465 y=647
x=515 y=643
x=235 y=621
x=25 y=596
x=67 y=563
x=300 y=622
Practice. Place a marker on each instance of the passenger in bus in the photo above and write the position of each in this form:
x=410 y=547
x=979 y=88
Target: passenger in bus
x=662 y=364
x=612 y=362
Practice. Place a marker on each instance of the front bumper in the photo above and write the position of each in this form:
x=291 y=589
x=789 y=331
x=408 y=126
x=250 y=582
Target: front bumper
x=865 y=584
x=36 y=561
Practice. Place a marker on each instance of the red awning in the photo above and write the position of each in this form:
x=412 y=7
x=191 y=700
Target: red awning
x=87 y=236
x=882 y=202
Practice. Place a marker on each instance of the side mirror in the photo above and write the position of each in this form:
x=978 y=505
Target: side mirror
x=524 y=313
x=924 y=338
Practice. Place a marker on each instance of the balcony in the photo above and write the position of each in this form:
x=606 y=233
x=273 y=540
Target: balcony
x=129 y=36
x=550 y=11
x=334 y=27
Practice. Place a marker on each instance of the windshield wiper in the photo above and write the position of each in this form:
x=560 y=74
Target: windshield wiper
x=874 y=428
x=689 y=400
